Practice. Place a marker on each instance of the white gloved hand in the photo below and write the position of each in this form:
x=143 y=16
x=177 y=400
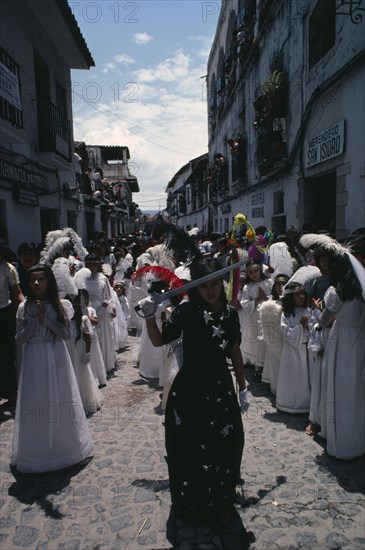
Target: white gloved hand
x=244 y=398
x=165 y=304
x=86 y=359
x=148 y=307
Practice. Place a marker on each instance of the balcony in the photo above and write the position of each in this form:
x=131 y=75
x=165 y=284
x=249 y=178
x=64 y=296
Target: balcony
x=229 y=60
x=264 y=7
x=239 y=158
x=54 y=130
x=223 y=193
x=230 y=83
x=271 y=146
x=220 y=84
x=239 y=185
x=182 y=206
x=91 y=201
x=10 y=99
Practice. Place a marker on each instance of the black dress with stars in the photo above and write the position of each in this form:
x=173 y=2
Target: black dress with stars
x=203 y=424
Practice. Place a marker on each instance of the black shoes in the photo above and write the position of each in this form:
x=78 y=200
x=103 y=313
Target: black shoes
x=257 y=376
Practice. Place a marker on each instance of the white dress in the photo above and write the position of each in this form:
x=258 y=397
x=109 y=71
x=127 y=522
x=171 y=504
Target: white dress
x=253 y=349
x=317 y=342
x=119 y=323
x=134 y=294
x=96 y=357
x=151 y=358
x=99 y=291
x=343 y=386
x=51 y=431
x=270 y=327
x=89 y=391
x=293 y=391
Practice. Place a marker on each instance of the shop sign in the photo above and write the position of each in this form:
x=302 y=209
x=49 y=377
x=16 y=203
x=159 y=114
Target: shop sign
x=257 y=203
x=9 y=87
x=325 y=145
x=16 y=174
x=26 y=195
x=225 y=208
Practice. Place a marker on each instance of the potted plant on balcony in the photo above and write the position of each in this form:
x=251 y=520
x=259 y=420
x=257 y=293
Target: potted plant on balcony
x=272 y=102
x=274 y=89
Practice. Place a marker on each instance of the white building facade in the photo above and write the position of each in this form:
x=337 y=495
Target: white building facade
x=39 y=43
x=187 y=196
x=286 y=115
x=119 y=214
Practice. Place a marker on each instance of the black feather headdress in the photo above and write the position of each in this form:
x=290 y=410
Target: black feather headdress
x=178 y=243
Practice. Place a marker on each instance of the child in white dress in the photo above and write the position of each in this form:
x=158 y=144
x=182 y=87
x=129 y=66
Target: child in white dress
x=79 y=349
x=96 y=357
x=293 y=391
x=99 y=291
x=270 y=322
x=122 y=314
x=56 y=433
x=255 y=291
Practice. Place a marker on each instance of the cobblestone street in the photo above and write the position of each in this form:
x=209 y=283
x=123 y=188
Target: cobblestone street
x=293 y=495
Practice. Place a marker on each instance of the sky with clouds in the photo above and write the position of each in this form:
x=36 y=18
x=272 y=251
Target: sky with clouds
x=147 y=90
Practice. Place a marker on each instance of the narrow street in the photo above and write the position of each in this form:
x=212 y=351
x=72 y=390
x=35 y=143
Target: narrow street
x=292 y=495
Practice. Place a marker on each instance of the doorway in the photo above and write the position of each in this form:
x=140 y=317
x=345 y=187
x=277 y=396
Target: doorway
x=320 y=203
x=50 y=220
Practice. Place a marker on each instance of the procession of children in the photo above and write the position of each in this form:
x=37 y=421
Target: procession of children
x=297 y=319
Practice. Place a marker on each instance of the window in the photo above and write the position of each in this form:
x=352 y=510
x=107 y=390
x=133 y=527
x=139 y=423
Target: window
x=61 y=102
x=10 y=100
x=322 y=30
x=72 y=219
x=278 y=199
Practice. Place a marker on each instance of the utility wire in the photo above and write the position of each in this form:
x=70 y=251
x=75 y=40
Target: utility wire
x=108 y=115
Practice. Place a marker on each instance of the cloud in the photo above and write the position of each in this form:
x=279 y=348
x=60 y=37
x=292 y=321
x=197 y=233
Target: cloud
x=124 y=59
x=162 y=138
x=142 y=38
x=121 y=59
x=169 y=70
x=164 y=128
x=108 y=67
x=200 y=38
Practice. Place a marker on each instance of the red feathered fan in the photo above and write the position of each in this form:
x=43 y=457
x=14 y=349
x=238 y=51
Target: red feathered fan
x=158 y=273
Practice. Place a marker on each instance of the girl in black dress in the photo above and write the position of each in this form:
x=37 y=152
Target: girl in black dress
x=203 y=424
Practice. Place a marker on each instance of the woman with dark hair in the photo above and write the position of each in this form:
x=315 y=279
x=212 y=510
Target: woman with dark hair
x=204 y=432
x=50 y=431
x=343 y=391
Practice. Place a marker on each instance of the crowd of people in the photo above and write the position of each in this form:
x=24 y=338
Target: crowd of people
x=292 y=310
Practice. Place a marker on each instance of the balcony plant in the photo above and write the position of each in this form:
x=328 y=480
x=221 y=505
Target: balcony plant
x=272 y=102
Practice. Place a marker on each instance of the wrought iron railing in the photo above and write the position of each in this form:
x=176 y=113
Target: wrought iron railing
x=8 y=109
x=54 y=130
x=271 y=144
